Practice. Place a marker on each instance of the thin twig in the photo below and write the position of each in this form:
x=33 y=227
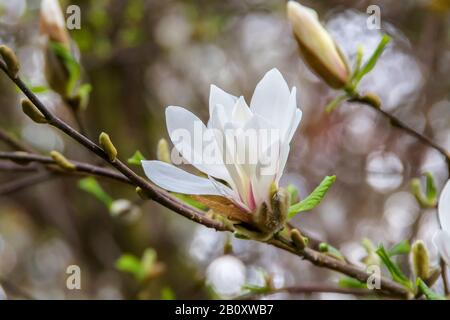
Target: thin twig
x=80 y=167
x=321 y=260
x=311 y=288
x=157 y=194
x=396 y=122
x=15 y=289
x=191 y=213
x=25 y=182
x=13 y=142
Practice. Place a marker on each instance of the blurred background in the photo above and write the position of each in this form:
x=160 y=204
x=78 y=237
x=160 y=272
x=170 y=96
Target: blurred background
x=143 y=55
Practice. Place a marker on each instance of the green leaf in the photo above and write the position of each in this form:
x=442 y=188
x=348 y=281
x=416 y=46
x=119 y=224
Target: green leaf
x=352 y=283
x=429 y=294
x=70 y=63
x=90 y=185
x=394 y=269
x=403 y=247
x=136 y=158
x=370 y=64
x=358 y=61
x=167 y=294
x=313 y=200
x=431 y=187
x=129 y=263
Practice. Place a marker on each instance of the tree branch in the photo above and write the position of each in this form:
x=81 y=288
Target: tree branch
x=402 y=126
x=80 y=167
x=13 y=142
x=165 y=199
x=312 y=288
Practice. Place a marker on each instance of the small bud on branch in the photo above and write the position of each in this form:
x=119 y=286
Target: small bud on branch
x=32 y=112
x=62 y=161
x=108 y=146
x=10 y=58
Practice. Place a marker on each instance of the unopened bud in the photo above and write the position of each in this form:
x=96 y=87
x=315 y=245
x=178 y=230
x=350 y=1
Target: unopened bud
x=163 y=152
x=298 y=239
x=372 y=98
x=420 y=259
x=108 y=146
x=317 y=47
x=10 y=59
x=62 y=161
x=141 y=193
x=33 y=112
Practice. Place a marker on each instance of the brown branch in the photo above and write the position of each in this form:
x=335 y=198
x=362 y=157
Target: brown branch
x=312 y=288
x=165 y=199
x=13 y=142
x=80 y=167
x=321 y=260
x=402 y=126
x=25 y=182
x=156 y=194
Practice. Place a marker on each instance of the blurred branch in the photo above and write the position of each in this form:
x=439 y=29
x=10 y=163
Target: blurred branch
x=14 y=143
x=80 y=167
x=25 y=182
x=394 y=121
x=15 y=289
x=311 y=288
x=165 y=199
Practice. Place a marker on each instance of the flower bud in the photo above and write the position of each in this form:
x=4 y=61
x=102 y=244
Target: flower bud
x=32 y=112
x=10 y=59
x=62 y=161
x=372 y=98
x=162 y=152
x=108 y=146
x=52 y=23
x=420 y=260
x=298 y=239
x=317 y=47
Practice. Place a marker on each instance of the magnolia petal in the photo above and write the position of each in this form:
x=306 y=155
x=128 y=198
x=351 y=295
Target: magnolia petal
x=294 y=125
x=444 y=208
x=271 y=98
x=224 y=132
x=441 y=241
x=183 y=128
x=174 y=179
x=241 y=112
x=218 y=96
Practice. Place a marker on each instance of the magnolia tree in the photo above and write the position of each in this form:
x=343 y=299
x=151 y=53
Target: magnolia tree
x=225 y=173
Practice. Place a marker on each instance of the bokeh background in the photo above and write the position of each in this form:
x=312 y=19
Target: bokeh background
x=143 y=55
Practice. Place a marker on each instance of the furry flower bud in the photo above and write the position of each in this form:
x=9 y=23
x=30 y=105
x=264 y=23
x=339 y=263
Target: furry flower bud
x=420 y=260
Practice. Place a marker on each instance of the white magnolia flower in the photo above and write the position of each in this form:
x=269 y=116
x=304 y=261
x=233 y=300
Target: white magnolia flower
x=319 y=50
x=245 y=172
x=442 y=237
